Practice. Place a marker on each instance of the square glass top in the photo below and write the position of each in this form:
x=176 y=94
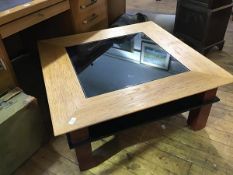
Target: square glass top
x=8 y=4
x=117 y=63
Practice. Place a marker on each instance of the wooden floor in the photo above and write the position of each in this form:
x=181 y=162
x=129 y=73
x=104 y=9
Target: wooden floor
x=167 y=147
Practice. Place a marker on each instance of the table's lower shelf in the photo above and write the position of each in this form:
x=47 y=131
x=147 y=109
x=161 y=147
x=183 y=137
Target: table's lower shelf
x=160 y=112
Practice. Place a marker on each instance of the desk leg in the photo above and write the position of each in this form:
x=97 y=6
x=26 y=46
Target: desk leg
x=9 y=73
x=197 y=118
x=83 y=149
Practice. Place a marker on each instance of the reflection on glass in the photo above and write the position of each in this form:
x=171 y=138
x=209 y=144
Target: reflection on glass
x=117 y=63
x=154 y=55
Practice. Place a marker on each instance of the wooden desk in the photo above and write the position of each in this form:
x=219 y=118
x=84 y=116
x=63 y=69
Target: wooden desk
x=19 y=18
x=86 y=15
x=26 y=15
x=72 y=112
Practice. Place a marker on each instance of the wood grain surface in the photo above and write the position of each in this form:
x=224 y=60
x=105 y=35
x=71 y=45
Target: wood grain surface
x=66 y=98
x=115 y=9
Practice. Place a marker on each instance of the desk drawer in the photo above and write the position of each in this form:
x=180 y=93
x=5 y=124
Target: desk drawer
x=33 y=18
x=91 y=15
x=84 y=4
x=84 y=8
x=103 y=24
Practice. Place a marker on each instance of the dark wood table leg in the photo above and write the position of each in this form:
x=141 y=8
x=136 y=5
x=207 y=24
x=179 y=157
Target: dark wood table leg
x=197 y=118
x=83 y=148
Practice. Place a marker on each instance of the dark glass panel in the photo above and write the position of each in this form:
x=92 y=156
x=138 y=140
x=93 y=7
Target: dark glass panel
x=118 y=63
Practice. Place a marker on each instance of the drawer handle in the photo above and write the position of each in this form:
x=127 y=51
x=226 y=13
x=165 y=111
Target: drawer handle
x=87 y=5
x=90 y=19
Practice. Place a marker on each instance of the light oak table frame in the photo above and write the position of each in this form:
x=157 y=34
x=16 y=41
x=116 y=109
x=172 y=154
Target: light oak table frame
x=73 y=113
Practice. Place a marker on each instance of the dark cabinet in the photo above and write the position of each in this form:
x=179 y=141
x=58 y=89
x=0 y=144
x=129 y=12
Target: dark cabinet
x=211 y=4
x=202 y=23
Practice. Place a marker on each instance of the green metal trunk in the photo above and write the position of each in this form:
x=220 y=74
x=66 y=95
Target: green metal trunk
x=22 y=130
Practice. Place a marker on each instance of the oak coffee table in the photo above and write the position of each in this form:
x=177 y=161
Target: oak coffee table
x=102 y=82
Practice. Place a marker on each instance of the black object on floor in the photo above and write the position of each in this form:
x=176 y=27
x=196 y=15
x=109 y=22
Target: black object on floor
x=127 y=19
x=166 y=21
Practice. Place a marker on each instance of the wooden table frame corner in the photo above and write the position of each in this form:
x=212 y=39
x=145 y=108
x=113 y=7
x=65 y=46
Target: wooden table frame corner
x=67 y=100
